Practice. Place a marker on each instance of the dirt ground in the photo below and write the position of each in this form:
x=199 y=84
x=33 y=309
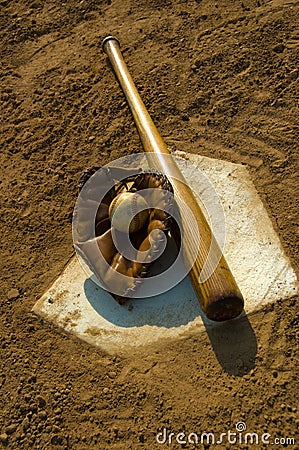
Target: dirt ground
x=219 y=78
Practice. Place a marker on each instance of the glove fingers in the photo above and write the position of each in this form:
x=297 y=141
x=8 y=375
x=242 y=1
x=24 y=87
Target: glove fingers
x=120 y=265
x=158 y=219
x=147 y=249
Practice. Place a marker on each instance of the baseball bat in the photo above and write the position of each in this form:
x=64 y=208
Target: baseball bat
x=218 y=294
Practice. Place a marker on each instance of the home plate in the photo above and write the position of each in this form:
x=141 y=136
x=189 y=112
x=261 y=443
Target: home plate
x=252 y=250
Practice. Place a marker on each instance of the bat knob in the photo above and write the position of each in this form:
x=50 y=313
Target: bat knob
x=108 y=39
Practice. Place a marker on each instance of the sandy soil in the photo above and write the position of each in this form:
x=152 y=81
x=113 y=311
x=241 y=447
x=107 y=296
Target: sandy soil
x=219 y=78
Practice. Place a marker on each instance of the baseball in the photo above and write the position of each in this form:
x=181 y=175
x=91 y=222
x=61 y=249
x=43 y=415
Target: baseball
x=124 y=209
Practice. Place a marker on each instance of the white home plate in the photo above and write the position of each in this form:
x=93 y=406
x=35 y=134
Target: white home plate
x=252 y=249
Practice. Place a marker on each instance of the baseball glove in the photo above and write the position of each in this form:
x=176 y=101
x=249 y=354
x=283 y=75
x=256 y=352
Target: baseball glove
x=101 y=245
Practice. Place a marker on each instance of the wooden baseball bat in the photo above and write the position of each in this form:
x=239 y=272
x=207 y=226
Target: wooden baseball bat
x=219 y=295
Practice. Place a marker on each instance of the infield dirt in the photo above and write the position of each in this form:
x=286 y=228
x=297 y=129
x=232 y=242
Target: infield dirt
x=219 y=79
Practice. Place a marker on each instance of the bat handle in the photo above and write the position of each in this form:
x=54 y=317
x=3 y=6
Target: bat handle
x=218 y=294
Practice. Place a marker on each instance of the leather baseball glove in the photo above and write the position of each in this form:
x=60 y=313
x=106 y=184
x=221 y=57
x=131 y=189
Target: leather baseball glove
x=104 y=248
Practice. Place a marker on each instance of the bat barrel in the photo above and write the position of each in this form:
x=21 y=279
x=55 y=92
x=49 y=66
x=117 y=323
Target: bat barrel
x=219 y=295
